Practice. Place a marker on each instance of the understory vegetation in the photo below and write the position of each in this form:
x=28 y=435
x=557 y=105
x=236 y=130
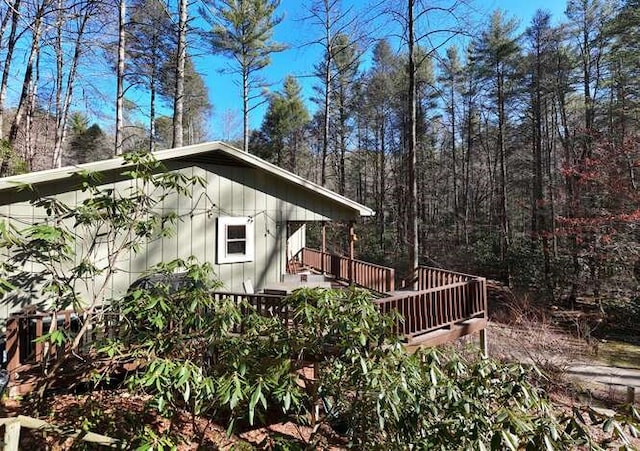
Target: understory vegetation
x=240 y=369
x=322 y=360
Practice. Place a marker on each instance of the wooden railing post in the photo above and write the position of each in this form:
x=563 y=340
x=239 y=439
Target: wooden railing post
x=391 y=279
x=39 y=345
x=323 y=250
x=13 y=346
x=483 y=293
x=352 y=239
x=12 y=434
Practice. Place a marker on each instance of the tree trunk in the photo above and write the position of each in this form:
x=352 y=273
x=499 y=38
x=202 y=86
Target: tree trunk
x=412 y=213
x=152 y=108
x=342 y=183
x=57 y=144
x=382 y=182
x=65 y=104
x=539 y=228
x=454 y=161
x=30 y=148
x=71 y=76
x=122 y=17
x=26 y=83
x=245 y=109
x=588 y=101
x=178 y=106
x=325 y=124
x=11 y=45
x=504 y=218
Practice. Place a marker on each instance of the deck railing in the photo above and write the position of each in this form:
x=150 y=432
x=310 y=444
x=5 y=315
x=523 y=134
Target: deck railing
x=429 y=277
x=26 y=351
x=443 y=298
x=269 y=305
x=368 y=275
x=460 y=297
x=436 y=308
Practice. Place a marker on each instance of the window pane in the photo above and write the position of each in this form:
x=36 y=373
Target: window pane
x=236 y=232
x=236 y=247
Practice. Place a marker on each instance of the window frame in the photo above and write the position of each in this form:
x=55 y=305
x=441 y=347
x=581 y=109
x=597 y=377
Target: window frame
x=223 y=257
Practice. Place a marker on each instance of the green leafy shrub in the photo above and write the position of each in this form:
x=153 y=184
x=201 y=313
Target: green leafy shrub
x=372 y=391
x=59 y=261
x=192 y=359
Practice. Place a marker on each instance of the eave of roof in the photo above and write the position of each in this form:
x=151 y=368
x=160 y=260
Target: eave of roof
x=51 y=175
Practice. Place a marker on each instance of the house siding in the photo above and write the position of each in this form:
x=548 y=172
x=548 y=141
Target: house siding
x=229 y=191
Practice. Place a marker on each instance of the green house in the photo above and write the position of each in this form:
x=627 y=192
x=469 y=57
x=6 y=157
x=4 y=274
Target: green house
x=247 y=220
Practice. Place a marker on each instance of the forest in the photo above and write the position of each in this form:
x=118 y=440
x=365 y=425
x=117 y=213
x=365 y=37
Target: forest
x=485 y=144
x=507 y=149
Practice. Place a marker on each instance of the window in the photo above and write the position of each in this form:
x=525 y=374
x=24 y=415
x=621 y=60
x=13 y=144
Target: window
x=235 y=239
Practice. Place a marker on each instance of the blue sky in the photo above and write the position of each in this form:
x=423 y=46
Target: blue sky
x=224 y=90
x=299 y=59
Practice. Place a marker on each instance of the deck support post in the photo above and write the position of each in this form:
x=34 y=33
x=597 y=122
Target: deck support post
x=323 y=250
x=13 y=346
x=484 y=343
x=12 y=435
x=352 y=240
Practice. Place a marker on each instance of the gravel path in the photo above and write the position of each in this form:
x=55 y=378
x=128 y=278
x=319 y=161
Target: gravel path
x=624 y=383
x=546 y=347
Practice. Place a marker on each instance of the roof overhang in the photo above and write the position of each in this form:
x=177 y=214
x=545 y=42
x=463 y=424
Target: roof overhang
x=215 y=151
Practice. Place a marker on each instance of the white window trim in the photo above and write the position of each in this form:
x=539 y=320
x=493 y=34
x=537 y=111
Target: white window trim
x=223 y=222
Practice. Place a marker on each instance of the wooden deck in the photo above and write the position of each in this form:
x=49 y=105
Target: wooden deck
x=376 y=278
x=445 y=306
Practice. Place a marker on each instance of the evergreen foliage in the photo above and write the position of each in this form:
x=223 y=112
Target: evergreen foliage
x=88 y=143
x=284 y=126
x=371 y=391
x=242 y=30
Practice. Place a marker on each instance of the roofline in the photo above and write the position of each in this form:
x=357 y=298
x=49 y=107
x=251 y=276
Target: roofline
x=50 y=175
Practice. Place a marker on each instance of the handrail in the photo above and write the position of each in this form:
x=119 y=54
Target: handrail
x=448 y=271
x=436 y=308
x=403 y=294
x=429 y=277
x=368 y=275
x=25 y=352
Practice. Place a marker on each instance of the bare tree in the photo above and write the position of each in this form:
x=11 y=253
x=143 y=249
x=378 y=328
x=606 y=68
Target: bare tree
x=498 y=51
x=77 y=16
x=14 y=8
x=333 y=21
x=120 y=68
x=412 y=141
x=178 y=103
x=416 y=18
x=27 y=94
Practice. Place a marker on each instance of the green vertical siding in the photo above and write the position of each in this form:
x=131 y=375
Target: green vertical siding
x=229 y=191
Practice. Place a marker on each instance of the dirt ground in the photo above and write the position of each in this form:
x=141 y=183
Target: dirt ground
x=120 y=416
x=556 y=353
